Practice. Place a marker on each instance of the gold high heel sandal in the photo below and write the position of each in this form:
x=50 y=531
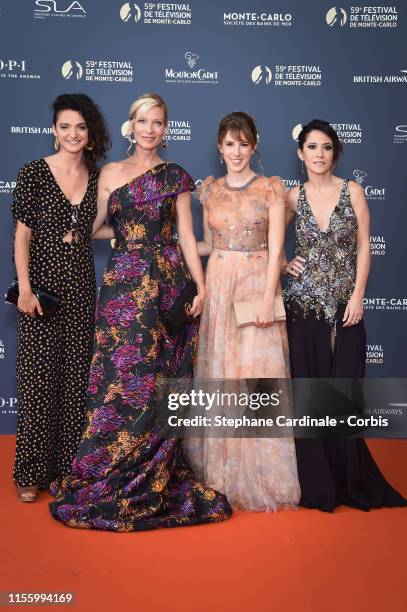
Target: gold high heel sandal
x=27 y=494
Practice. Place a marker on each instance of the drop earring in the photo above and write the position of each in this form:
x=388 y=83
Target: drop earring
x=302 y=166
x=56 y=144
x=132 y=141
x=221 y=158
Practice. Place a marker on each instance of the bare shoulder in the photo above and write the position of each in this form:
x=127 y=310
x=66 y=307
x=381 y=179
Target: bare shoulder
x=112 y=168
x=292 y=197
x=355 y=189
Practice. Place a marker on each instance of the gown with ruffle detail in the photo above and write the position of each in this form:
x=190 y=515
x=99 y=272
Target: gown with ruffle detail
x=256 y=474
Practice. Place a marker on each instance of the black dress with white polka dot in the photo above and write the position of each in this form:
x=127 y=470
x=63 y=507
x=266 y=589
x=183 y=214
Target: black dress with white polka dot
x=53 y=355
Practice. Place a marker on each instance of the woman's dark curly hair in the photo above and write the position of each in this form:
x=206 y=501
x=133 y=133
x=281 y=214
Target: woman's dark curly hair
x=99 y=138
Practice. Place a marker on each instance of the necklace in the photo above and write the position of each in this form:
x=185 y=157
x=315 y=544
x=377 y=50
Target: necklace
x=242 y=187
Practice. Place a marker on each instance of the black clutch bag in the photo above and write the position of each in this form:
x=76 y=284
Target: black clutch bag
x=49 y=301
x=178 y=315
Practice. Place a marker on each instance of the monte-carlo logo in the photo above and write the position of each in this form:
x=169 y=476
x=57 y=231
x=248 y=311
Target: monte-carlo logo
x=7 y=186
x=58 y=8
x=252 y=18
x=192 y=73
x=362 y=17
x=336 y=16
x=349 y=133
x=371 y=192
x=385 y=303
x=153 y=13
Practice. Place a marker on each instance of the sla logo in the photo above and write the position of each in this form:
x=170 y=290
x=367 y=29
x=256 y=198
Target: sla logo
x=129 y=10
x=72 y=68
x=192 y=59
x=262 y=74
x=50 y=8
x=335 y=16
x=371 y=193
x=400 y=135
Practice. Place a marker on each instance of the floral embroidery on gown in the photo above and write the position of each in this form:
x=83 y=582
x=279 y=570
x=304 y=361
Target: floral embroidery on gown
x=255 y=474
x=125 y=476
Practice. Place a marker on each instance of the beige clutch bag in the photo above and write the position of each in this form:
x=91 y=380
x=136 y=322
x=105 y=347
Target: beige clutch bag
x=246 y=312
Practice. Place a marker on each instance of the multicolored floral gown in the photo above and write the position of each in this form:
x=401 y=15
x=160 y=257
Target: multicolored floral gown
x=125 y=476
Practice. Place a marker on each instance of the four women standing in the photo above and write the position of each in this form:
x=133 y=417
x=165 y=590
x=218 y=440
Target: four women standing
x=125 y=477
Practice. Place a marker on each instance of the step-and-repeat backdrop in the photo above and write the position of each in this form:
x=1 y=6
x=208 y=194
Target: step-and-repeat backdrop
x=283 y=61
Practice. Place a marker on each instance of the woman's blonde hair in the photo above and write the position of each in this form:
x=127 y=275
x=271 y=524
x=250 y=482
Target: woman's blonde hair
x=144 y=103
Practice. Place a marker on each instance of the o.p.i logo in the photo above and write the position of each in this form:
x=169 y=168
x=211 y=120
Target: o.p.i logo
x=336 y=16
x=130 y=12
x=72 y=70
x=262 y=74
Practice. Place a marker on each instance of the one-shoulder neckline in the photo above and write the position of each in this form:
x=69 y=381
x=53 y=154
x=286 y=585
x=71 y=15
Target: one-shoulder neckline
x=165 y=163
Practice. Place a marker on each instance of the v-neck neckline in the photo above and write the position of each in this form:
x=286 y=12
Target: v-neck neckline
x=60 y=188
x=332 y=212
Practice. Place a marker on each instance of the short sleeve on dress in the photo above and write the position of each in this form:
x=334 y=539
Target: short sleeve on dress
x=275 y=187
x=178 y=180
x=24 y=204
x=203 y=190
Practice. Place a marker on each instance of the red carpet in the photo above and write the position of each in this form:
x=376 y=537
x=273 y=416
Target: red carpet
x=302 y=561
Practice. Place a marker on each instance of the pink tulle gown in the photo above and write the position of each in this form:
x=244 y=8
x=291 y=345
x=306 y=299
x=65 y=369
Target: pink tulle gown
x=256 y=474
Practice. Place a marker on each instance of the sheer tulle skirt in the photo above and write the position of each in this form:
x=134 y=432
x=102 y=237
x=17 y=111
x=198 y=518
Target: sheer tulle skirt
x=254 y=473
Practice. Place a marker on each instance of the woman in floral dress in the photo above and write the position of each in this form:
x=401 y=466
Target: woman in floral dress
x=125 y=476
